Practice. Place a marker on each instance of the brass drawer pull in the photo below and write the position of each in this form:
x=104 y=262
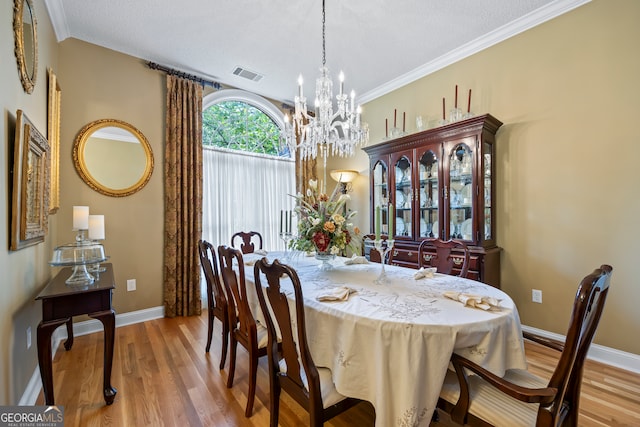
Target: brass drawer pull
x=410 y=254
x=395 y=253
x=457 y=261
x=427 y=257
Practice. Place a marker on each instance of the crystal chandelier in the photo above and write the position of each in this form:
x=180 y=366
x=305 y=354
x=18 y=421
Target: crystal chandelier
x=327 y=129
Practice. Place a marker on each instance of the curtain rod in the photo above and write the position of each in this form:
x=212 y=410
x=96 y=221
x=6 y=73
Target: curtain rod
x=183 y=75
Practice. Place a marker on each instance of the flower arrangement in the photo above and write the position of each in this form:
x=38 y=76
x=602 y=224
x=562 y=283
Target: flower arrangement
x=321 y=224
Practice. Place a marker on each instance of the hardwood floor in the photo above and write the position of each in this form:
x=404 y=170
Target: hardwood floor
x=164 y=377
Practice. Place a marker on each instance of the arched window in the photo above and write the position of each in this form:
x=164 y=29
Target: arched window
x=247 y=180
x=238 y=120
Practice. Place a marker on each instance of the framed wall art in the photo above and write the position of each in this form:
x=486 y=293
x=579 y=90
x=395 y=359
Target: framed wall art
x=30 y=185
x=53 y=134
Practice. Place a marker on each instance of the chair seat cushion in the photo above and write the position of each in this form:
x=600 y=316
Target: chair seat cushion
x=493 y=406
x=262 y=335
x=330 y=395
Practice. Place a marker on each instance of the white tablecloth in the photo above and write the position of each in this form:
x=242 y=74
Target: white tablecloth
x=390 y=344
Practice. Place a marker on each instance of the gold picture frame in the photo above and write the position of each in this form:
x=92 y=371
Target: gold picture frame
x=53 y=133
x=30 y=185
x=25 y=35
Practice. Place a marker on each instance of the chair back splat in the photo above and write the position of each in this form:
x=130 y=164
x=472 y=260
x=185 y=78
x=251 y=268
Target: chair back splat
x=445 y=255
x=247 y=241
x=296 y=372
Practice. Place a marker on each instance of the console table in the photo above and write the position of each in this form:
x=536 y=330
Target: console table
x=60 y=303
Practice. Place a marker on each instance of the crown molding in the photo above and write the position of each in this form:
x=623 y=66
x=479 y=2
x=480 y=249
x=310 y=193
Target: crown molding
x=58 y=19
x=496 y=36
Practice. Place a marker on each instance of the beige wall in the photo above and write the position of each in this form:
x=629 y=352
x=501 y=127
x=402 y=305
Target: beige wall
x=23 y=272
x=567 y=188
x=98 y=83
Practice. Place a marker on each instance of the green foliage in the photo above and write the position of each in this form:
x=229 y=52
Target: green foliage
x=240 y=126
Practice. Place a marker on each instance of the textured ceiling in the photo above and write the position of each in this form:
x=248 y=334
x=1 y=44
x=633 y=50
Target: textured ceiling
x=380 y=45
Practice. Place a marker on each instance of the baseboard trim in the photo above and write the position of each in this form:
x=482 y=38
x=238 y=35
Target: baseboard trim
x=34 y=386
x=599 y=353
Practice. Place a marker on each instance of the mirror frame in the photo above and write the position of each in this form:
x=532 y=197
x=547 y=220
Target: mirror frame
x=28 y=80
x=81 y=166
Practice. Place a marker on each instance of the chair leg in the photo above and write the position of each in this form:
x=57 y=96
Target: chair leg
x=274 y=404
x=225 y=344
x=232 y=359
x=210 y=330
x=253 y=371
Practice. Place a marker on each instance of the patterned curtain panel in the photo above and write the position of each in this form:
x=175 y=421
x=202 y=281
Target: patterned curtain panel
x=183 y=198
x=305 y=170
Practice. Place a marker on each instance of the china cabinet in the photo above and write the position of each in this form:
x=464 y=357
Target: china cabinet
x=441 y=183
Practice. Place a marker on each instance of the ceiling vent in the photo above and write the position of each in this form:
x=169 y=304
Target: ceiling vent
x=243 y=72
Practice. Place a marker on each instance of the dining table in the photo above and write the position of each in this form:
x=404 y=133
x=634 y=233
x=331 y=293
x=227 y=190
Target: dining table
x=390 y=343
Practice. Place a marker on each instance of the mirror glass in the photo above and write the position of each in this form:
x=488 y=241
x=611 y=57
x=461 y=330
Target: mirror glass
x=28 y=39
x=113 y=157
x=26 y=42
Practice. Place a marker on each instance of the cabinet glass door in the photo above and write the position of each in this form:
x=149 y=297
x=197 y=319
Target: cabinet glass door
x=488 y=204
x=428 y=192
x=403 y=197
x=381 y=193
x=461 y=193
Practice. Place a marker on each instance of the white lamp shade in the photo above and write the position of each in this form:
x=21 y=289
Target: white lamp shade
x=96 y=227
x=81 y=217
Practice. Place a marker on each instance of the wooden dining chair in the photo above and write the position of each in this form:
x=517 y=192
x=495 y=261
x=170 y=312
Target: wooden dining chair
x=216 y=297
x=521 y=398
x=295 y=372
x=244 y=329
x=247 y=241
x=444 y=255
x=374 y=255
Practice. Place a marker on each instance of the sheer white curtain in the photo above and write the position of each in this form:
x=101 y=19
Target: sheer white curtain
x=245 y=192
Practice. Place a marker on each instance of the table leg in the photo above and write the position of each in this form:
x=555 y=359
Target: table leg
x=69 y=342
x=45 y=329
x=108 y=319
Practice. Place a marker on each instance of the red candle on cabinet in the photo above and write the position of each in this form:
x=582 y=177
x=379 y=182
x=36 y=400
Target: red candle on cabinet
x=456 y=100
x=469 y=102
x=394 y=117
x=443 y=116
x=404 y=119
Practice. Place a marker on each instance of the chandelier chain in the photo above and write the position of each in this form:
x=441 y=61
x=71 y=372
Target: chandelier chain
x=324 y=41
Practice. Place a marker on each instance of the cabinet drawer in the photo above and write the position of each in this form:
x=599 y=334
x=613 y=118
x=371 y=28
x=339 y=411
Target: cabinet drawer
x=404 y=256
x=474 y=260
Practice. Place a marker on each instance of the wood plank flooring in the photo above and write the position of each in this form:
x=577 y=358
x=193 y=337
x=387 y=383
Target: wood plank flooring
x=165 y=378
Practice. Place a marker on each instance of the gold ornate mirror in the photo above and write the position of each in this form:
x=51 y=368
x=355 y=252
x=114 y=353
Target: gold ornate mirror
x=26 y=42
x=113 y=157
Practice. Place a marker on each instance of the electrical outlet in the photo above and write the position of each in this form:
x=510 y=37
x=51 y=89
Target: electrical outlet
x=536 y=296
x=131 y=284
x=28 y=337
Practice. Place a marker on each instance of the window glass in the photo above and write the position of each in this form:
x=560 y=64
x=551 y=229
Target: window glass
x=237 y=125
